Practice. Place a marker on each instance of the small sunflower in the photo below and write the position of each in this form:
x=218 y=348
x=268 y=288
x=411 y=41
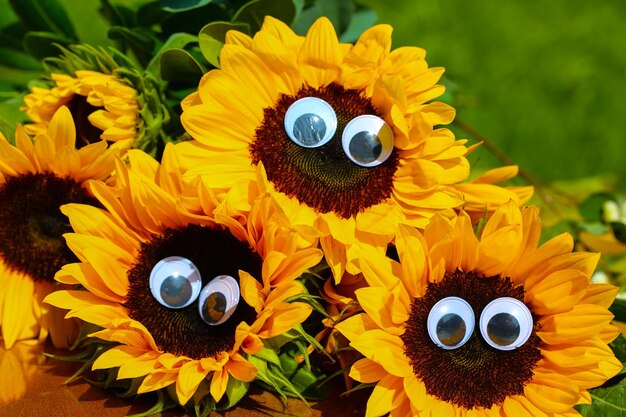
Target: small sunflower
x=36 y=178
x=489 y=326
x=345 y=133
x=108 y=96
x=187 y=295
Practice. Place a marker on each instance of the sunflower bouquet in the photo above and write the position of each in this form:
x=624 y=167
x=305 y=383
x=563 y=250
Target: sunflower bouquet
x=225 y=194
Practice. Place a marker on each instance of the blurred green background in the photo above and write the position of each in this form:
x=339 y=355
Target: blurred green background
x=544 y=80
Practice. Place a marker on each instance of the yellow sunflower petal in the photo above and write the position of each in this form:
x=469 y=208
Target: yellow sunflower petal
x=367 y=371
x=381 y=399
x=218 y=384
x=240 y=368
x=156 y=381
x=189 y=377
x=551 y=392
x=385 y=349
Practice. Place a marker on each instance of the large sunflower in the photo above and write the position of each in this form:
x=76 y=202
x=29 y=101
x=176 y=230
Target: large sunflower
x=108 y=96
x=185 y=294
x=489 y=326
x=36 y=178
x=344 y=132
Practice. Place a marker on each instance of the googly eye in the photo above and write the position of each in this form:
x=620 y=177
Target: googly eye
x=310 y=122
x=506 y=323
x=367 y=140
x=450 y=323
x=175 y=282
x=218 y=299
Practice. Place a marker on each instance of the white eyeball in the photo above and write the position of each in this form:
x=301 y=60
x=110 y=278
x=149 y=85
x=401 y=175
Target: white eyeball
x=175 y=282
x=218 y=299
x=450 y=323
x=367 y=140
x=506 y=323
x=310 y=122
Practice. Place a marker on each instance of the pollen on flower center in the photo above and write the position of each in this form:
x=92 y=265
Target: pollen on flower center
x=323 y=178
x=475 y=374
x=31 y=224
x=183 y=331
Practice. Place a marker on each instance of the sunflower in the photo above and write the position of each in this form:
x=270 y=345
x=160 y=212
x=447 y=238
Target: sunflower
x=36 y=178
x=108 y=96
x=489 y=326
x=185 y=294
x=345 y=133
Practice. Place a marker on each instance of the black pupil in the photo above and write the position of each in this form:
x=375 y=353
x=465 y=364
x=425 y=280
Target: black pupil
x=214 y=307
x=451 y=329
x=309 y=129
x=503 y=329
x=365 y=147
x=176 y=291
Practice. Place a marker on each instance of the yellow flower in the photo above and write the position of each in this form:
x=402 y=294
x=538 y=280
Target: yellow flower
x=104 y=106
x=489 y=326
x=36 y=178
x=344 y=133
x=185 y=294
x=109 y=95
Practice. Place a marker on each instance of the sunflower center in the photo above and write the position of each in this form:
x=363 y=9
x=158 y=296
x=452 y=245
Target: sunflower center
x=323 y=178
x=183 y=331
x=86 y=133
x=31 y=224
x=475 y=374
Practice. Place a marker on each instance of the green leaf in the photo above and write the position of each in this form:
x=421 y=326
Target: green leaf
x=268 y=355
x=176 y=6
x=42 y=44
x=619 y=348
x=619 y=231
x=192 y=21
x=10 y=115
x=591 y=209
x=255 y=11
x=151 y=14
x=90 y=25
x=212 y=37
x=361 y=19
x=179 y=65
x=18 y=59
x=44 y=15
x=138 y=37
x=608 y=400
x=618 y=308
x=176 y=41
x=338 y=11
x=235 y=390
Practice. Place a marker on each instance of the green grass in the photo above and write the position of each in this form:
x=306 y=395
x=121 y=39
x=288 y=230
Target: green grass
x=544 y=80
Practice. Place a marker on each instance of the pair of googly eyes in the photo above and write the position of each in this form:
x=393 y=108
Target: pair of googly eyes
x=505 y=323
x=366 y=140
x=175 y=282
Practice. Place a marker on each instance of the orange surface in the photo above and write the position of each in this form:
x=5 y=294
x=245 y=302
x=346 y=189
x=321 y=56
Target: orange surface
x=46 y=395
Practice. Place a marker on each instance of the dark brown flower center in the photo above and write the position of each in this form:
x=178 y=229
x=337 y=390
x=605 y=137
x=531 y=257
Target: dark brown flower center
x=86 y=133
x=475 y=374
x=182 y=331
x=32 y=226
x=323 y=178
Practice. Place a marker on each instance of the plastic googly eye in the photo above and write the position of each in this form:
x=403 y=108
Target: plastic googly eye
x=310 y=122
x=506 y=323
x=175 y=282
x=367 y=140
x=451 y=323
x=218 y=300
